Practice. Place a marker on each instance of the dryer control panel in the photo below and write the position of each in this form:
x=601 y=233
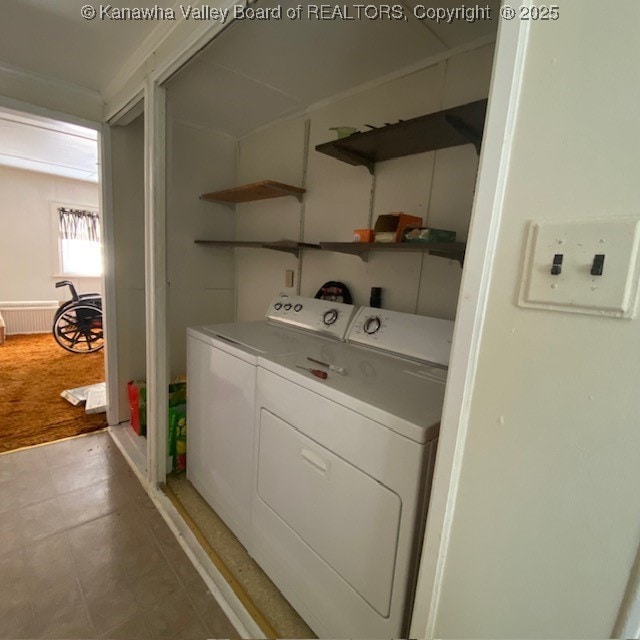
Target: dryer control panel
x=319 y=316
x=405 y=334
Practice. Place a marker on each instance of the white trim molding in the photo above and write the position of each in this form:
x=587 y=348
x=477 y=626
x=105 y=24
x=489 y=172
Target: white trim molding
x=110 y=325
x=157 y=363
x=48 y=96
x=504 y=97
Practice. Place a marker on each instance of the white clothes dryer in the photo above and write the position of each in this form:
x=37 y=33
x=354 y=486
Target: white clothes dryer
x=343 y=471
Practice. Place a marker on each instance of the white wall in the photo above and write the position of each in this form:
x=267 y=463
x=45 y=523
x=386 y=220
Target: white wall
x=27 y=240
x=201 y=279
x=127 y=148
x=547 y=518
x=438 y=186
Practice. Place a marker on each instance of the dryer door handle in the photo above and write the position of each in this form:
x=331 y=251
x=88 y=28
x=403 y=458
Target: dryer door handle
x=315 y=460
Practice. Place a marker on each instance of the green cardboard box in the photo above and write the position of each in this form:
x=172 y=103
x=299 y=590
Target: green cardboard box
x=425 y=234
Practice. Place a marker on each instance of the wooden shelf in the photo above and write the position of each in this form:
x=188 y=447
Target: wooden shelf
x=450 y=250
x=440 y=130
x=255 y=191
x=288 y=246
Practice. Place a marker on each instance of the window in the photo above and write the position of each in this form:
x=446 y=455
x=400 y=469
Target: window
x=79 y=243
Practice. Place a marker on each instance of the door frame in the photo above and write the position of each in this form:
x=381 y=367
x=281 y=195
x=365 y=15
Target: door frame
x=155 y=240
x=504 y=96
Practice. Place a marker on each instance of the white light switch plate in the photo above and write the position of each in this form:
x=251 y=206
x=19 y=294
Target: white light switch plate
x=614 y=293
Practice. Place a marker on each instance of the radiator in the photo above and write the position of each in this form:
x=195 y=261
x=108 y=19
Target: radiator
x=33 y=316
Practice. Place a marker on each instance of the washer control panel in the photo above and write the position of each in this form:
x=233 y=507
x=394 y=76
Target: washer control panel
x=406 y=334
x=311 y=314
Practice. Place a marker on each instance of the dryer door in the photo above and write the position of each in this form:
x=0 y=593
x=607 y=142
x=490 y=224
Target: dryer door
x=345 y=516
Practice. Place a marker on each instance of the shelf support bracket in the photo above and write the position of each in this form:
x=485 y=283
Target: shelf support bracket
x=459 y=258
x=356 y=159
x=465 y=129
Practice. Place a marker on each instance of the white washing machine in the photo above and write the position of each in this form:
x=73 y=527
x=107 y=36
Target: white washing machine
x=221 y=372
x=343 y=471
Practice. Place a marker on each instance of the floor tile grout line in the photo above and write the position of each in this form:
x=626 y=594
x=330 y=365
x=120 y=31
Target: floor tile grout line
x=38 y=445
x=102 y=453
x=79 y=584
x=107 y=634
x=87 y=613
x=60 y=513
x=183 y=585
x=143 y=607
x=31 y=602
x=170 y=564
x=85 y=486
x=84 y=522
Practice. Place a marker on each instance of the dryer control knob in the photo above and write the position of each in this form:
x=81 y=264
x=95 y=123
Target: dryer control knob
x=298 y=307
x=287 y=306
x=372 y=325
x=330 y=317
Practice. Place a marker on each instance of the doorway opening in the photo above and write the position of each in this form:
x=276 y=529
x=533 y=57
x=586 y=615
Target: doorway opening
x=52 y=233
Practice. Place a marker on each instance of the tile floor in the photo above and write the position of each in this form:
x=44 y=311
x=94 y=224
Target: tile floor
x=84 y=553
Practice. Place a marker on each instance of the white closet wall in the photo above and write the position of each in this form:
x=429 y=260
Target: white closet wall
x=438 y=186
x=127 y=148
x=201 y=280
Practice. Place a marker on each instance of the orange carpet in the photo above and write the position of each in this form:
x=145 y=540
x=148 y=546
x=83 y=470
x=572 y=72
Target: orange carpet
x=33 y=372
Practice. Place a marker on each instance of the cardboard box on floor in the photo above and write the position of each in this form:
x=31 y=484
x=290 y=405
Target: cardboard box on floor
x=390 y=223
x=177 y=419
x=177 y=441
x=137 y=391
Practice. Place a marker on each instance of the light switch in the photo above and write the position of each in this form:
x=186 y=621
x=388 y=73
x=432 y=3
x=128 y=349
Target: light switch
x=582 y=266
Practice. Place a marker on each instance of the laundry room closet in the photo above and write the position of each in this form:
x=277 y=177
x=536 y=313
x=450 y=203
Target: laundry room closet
x=254 y=105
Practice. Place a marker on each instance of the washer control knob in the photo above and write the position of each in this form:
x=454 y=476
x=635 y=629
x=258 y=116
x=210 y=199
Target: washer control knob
x=330 y=317
x=277 y=306
x=372 y=325
x=287 y=306
x=297 y=308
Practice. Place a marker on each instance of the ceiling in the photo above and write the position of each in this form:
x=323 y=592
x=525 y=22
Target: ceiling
x=50 y=38
x=256 y=72
x=47 y=146
x=288 y=64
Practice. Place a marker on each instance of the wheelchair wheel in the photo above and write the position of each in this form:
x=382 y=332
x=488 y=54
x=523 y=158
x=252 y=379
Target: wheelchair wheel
x=78 y=328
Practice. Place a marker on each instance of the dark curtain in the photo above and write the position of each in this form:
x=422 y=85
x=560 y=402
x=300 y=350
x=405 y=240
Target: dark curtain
x=76 y=224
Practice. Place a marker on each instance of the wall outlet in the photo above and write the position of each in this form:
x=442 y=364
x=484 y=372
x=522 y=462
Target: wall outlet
x=582 y=266
x=288 y=278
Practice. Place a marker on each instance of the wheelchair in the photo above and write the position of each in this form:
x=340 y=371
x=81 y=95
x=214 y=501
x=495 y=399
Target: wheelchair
x=77 y=324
